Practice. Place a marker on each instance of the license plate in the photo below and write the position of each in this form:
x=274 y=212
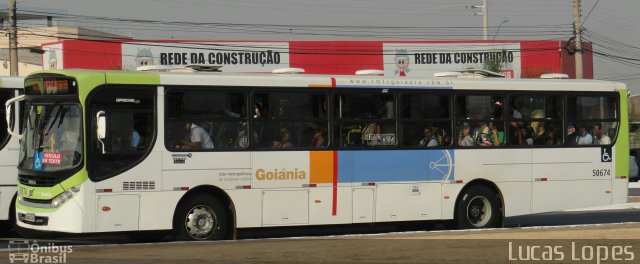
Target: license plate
x=31 y=217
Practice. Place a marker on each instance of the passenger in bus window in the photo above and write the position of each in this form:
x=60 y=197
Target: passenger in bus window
x=257 y=111
x=284 y=140
x=600 y=138
x=465 y=139
x=583 y=138
x=536 y=126
x=319 y=139
x=524 y=136
x=138 y=129
x=134 y=142
x=198 y=138
x=429 y=139
x=571 y=135
x=495 y=135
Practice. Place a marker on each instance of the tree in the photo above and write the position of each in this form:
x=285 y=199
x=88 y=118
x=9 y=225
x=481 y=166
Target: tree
x=494 y=65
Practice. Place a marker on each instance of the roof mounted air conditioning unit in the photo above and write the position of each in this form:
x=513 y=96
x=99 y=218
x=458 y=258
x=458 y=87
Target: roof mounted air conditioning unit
x=288 y=71
x=470 y=73
x=554 y=76
x=370 y=72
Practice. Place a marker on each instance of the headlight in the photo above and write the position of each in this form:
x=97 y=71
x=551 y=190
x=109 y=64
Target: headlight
x=63 y=197
x=57 y=201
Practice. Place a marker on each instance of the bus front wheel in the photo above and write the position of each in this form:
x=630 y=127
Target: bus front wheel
x=201 y=218
x=478 y=207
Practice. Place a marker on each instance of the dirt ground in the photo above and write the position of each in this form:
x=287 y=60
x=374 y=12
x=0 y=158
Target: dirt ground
x=489 y=246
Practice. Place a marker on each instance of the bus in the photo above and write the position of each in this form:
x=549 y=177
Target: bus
x=205 y=154
x=10 y=88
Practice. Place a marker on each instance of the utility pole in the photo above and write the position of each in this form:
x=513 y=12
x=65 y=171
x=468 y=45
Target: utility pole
x=485 y=19
x=13 y=39
x=577 y=13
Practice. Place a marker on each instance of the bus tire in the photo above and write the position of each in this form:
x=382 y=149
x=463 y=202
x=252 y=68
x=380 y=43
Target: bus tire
x=200 y=218
x=478 y=207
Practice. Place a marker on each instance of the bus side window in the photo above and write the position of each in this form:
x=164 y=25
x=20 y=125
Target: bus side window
x=291 y=119
x=217 y=120
x=483 y=117
x=595 y=119
x=425 y=120
x=365 y=119
x=535 y=120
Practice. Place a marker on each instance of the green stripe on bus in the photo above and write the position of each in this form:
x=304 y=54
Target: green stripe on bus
x=38 y=193
x=622 y=143
x=133 y=78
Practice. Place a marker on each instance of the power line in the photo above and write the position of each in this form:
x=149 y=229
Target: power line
x=588 y=14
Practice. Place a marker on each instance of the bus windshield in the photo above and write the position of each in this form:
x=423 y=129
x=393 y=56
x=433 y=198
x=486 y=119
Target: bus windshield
x=53 y=137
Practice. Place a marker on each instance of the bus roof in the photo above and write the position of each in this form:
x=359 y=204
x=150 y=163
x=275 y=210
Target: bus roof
x=343 y=81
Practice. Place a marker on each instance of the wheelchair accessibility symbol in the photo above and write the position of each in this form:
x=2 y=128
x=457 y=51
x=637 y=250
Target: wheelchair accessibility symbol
x=605 y=154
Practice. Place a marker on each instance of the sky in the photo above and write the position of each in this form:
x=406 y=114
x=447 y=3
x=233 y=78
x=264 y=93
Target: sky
x=611 y=25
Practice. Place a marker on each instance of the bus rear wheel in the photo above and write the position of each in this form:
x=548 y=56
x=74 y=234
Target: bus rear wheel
x=201 y=218
x=478 y=208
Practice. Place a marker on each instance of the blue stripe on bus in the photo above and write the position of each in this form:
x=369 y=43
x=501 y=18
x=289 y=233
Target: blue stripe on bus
x=395 y=165
x=397 y=87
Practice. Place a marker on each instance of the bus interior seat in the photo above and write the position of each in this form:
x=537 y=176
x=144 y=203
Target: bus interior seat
x=354 y=137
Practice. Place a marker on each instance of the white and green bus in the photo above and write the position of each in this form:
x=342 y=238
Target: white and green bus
x=10 y=88
x=204 y=154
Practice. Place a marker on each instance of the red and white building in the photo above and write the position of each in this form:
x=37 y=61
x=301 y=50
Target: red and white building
x=519 y=59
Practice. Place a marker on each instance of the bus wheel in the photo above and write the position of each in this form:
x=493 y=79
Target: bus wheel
x=201 y=218
x=478 y=208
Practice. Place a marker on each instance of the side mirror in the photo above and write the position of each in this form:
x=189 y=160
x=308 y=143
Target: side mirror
x=9 y=115
x=101 y=128
x=102 y=125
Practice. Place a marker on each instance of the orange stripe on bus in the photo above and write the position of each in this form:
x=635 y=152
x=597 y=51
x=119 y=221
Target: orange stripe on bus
x=320 y=86
x=321 y=166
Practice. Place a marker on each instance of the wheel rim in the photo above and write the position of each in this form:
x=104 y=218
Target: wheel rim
x=200 y=222
x=479 y=211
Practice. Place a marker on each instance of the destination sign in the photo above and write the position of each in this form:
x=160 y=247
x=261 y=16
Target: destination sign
x=50 y=86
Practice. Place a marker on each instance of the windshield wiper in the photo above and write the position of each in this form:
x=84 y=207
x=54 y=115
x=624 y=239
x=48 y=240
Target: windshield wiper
x=44 y=123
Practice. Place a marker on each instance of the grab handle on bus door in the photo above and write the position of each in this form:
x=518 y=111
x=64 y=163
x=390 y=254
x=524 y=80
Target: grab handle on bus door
x=9 y=114
x=101 y=128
